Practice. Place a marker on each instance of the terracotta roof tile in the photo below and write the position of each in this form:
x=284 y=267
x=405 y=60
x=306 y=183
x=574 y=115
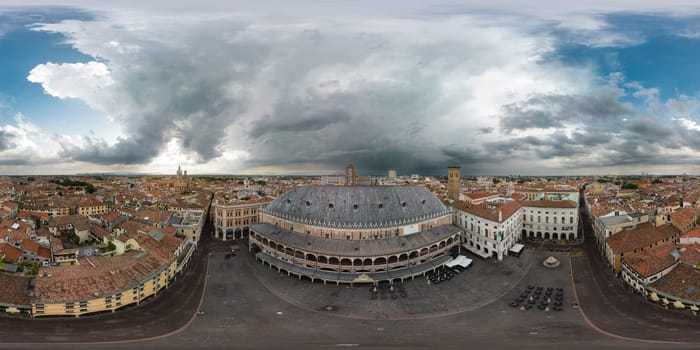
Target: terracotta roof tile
x=651 y=261
x=641 y=237
x=15 y=290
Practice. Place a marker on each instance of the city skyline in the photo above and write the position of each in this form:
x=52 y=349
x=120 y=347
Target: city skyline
x=241 y=88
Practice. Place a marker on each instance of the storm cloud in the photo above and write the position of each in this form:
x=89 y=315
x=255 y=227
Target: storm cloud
x=558 y=110
x=413 y=94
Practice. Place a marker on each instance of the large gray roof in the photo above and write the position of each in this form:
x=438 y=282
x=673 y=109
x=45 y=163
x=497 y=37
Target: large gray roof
x=358 y=206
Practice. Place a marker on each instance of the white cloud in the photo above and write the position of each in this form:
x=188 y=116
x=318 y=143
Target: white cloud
x=71 y=80
x=688 y=124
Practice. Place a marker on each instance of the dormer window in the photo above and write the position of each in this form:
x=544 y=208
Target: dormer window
x=308 y=204
x=381 y=206
x=330 y=205
x=355 y=206
x=403 y=204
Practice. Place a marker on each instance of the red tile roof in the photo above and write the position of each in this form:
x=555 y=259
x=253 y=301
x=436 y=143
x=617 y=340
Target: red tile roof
x=10 y=252
x=682 y=282
x=684 y=217
x=488 y=211
x=651 y=261
x=15 y=290
x=694 y=233
x=643 y=236
x=29 y=245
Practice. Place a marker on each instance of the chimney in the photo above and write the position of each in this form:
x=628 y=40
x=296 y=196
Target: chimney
x=500 y=216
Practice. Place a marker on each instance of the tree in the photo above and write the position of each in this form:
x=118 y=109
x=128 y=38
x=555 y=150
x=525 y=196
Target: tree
x=495 y=180
x=90 y=188
x=261 y=182
x=657 y=181
x=629 y=186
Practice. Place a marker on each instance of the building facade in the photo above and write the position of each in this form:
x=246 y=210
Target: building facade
x=548 y=219
x=491 y=229
x=232 y=218
x=355 y=234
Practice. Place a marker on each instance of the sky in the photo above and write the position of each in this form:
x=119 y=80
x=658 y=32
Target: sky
x=305 y=87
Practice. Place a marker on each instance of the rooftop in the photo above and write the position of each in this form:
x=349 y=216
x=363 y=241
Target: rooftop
x=651 y=261
x=643 y=236
x=15 y=290
x=488 y=211
x=682 y=282
x=327 y=205
x=608 y=221
x=109 y=274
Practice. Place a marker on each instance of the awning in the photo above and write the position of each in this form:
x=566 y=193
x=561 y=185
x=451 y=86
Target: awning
x=460 y=260
x=517 y=248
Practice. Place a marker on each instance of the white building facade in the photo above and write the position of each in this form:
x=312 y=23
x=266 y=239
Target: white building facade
x=491 y=230
x=557 y=220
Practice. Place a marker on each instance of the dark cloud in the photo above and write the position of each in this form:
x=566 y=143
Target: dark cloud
x=555 y=111
x=486 y=130
x=307 y=119
x=648 y=128
x=166 y=89
x=126 y=150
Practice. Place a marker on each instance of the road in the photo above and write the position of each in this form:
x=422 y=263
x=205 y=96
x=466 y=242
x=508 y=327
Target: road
x=618 y=310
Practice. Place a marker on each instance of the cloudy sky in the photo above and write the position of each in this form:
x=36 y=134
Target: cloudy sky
x=306 y=87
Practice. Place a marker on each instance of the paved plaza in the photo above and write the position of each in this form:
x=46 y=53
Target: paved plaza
x=483 y=282
x=248 y=306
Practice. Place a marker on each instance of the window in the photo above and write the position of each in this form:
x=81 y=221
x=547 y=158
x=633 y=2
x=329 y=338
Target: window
x=355 y=206
x=381 y=206
x=330 y=205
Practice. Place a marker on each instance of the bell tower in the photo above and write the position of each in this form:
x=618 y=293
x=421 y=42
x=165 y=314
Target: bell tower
x=453 y=182
x=350 y=175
